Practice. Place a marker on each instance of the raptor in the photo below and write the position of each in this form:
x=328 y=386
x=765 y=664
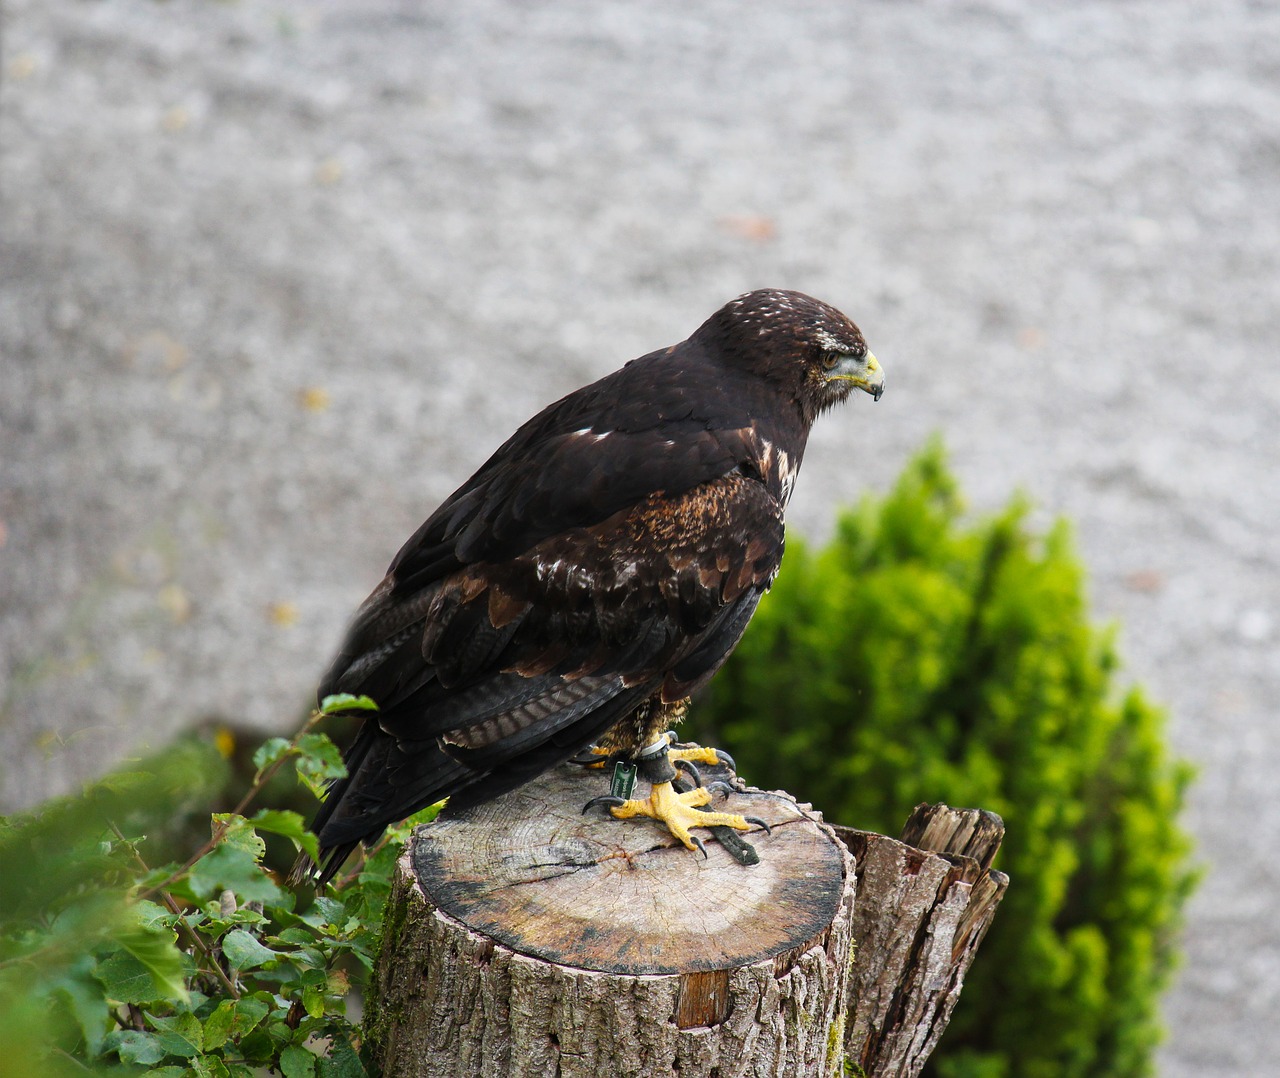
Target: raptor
x=595 y=571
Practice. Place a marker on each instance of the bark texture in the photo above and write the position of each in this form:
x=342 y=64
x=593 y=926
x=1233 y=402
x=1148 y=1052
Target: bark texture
x=924 y=905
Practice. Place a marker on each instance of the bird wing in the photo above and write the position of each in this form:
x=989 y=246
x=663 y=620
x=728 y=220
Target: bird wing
x=638 y=599
x=502 y=670
x=661 y=423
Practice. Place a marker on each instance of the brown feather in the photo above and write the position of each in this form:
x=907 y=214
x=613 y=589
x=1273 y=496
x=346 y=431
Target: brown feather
x=597 y=569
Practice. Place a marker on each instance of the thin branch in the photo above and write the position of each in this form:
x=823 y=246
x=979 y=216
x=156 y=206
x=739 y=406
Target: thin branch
x=176 y=910
x=260 y=781
x=362 y=859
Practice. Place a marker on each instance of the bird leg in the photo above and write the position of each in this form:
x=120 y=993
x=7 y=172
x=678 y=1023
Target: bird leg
x=679 y=811
x=692 y=755
x=696 y=754
x=596 y=757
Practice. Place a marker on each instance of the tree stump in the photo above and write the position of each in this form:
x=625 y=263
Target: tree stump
x=924 y=905
x=525 y=939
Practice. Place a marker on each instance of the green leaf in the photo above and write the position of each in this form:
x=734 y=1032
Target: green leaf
x=156 y=951
x=342 y=1060
x=124 y=781
x=401 y=831
x=235 y=868
x=344 y=701
x=209 y=1067
x=151 y=915
x=313 y=1000
x=296 y=937
x=180 y=1034
x=297 y=1062
x=243 y=951
x=233 y=829
x=271 y=751
x=311 y=957
x=135 y=1046
x=257 y=1046
x=292 y=826
x=331 y=910
x=53 y=855
x=233 y=1019
x=320 y=755
x=86 y=1004
x=217 y=1027
x=320 y=763
x=126 y=980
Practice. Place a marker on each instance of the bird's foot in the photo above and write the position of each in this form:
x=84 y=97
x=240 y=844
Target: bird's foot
x=678 y=812
x=594 y=757
x=687 y=757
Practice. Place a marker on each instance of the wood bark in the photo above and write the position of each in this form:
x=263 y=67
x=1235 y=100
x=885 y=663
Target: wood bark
x=525 y=939
x=925 y=903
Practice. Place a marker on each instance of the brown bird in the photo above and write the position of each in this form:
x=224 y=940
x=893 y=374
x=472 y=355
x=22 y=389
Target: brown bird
x=595 y=572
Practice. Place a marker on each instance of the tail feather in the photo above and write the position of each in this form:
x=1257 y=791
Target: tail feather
x=387 y=781
x=331 y=859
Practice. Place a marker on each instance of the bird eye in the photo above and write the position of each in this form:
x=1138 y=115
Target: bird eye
x=830 y=359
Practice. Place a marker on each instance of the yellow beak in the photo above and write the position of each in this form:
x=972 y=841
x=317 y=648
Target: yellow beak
x=864 y=373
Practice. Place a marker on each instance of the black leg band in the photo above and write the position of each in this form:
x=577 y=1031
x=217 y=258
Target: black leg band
x=656 y=766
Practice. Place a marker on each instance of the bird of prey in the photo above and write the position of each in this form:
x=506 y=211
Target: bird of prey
x=595 y=572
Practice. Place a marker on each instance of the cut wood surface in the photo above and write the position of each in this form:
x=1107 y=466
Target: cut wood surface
x=523 y=938
x=534 y=873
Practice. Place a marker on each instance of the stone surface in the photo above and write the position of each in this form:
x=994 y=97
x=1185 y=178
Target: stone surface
x=274 y=278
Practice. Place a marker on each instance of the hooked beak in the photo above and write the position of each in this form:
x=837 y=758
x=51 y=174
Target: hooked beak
x=864 y=373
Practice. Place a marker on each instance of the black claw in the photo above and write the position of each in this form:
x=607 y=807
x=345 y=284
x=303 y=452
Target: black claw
x=610 y=801
x=688 y=766
x=726 y=760
x=722 y=788
x=702 y=849
x=759 y=823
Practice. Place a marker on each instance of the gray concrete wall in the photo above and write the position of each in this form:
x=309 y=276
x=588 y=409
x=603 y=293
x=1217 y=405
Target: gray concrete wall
x=274 y=277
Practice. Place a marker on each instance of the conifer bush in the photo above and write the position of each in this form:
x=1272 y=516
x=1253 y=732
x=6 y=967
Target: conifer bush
x=920 y=657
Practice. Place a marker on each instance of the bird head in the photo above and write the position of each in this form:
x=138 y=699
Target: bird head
x=816 y=353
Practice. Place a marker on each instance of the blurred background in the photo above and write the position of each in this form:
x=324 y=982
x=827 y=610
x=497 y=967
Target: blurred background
x=276 y=276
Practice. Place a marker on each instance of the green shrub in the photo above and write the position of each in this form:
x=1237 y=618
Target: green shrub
x=919 y=658
x=121 y=949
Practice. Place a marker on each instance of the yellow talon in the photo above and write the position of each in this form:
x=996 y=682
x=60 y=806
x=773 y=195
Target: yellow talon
x=679 y=812
x=695 y=754
x=594 y=750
